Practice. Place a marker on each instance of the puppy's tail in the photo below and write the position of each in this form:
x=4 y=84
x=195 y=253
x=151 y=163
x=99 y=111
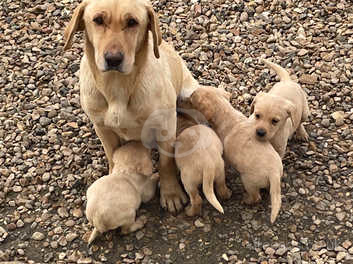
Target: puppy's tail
x=93 y=235
x=281 y=72
x=275 y=192
x=208 y=190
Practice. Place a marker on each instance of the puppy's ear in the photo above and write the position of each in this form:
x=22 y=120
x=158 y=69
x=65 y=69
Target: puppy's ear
x=76 y=24
x=290 y=109
x=252 y=106
x=153 y=25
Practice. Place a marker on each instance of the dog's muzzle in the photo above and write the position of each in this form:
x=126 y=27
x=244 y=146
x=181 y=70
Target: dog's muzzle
x=113 y=61
x=260 y=132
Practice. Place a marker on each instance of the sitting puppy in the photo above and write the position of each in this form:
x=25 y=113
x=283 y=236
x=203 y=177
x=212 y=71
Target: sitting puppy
x=280 y=112
x=112 y=200
x=257 y=162
x=198 y=155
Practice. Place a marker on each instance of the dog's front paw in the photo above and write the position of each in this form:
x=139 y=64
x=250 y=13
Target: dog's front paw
x=172 y=199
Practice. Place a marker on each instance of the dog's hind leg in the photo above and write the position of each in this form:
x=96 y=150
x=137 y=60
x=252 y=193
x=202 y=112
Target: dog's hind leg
x=132 y=225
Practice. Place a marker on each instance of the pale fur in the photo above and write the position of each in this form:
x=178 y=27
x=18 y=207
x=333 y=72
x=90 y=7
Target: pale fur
x=198 y=155
x=112 y=200
x=257 y=162
x=149 y=79
x=286 y=102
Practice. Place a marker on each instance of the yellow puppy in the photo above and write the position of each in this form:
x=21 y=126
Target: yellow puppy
x=112 y=200
x=198 y=155
x=257 y=162
x=280 y=112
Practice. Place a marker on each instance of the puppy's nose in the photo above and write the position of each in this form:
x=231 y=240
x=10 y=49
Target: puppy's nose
x=261 y=132
x=113 y=60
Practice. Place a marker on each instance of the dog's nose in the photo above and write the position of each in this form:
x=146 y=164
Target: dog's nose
x=261 y=132
x=113 y=60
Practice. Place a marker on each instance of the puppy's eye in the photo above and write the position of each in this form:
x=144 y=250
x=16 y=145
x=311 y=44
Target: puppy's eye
x=131 y=22
x=274 y=122
x=98 y=20
x=257 y=116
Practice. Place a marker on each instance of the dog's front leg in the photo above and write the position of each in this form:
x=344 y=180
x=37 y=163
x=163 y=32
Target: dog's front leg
x=172 y=195
x=110 y=141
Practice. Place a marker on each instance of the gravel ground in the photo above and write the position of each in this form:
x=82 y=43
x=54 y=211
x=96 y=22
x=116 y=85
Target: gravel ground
x=49 y=152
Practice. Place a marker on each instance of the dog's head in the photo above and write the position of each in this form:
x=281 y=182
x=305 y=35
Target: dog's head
x=270 y=114
x=207 y=99
x=116 y=30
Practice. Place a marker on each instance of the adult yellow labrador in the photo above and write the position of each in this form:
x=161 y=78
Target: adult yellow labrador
x=130 y=80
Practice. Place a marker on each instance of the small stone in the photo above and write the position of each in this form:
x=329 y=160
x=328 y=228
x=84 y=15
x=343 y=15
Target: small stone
x=20 y=223
x=340 y=216
x=270 y=251
x=63 y=212
x=77 y=213
x=44 y=121
x=346 y=244
x=308 y=79
x=147 y=251
x=302 y=52
x=181 y=246
x=281 y=251
x=71 y=236
x=225 y=257
x=325 y=122
x=46 y=177
x=244 y=16
x=17 y=188
x=338 y=117
x=198 y=223
x=340 y=256
x=38 y=236
x=84 y=261
x=140 y=235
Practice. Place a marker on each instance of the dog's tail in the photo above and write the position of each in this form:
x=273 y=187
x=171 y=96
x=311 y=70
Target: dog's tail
x=281 y=72
x=275 y=192
x=208 y=190
x=93 y=235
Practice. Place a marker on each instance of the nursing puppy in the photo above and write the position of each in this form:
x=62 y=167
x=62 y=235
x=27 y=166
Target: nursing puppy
x=112 y=200
x=280 y=112
x=198 y=155
x=257 y=162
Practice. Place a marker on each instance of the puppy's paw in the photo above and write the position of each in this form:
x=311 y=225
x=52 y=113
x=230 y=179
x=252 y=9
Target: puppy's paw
x=142 y=219
x=225 y=193
x=251 y=199
x=193 y=210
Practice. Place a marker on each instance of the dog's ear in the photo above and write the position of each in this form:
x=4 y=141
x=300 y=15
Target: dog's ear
x=290 y=109
x=153 y=25
x=252 y=106
x=76 y=24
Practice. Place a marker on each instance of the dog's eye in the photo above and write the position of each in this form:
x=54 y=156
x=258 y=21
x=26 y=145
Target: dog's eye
x=131 y=22
x=274 y=121
x=257 y=116
x=98 y=20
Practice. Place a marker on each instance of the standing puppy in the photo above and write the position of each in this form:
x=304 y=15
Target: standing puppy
x=128 y=76
x=280 y=112
x=112 y=200
x=198 y=155
x=257 y=162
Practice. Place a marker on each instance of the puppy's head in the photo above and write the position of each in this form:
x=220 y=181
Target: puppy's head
x=116 y=30
x=270 y=114
x=207 y=99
